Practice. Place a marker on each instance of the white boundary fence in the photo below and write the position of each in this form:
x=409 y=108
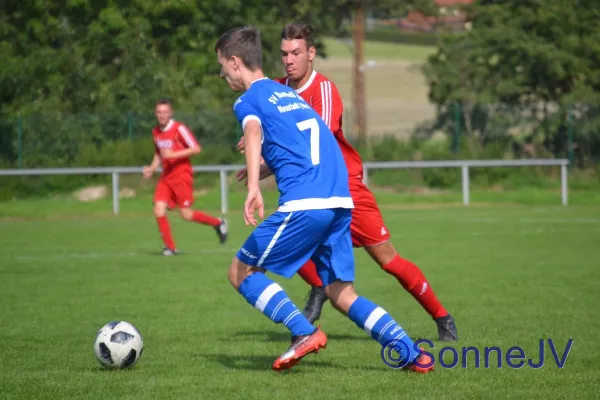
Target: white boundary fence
x=464 y=165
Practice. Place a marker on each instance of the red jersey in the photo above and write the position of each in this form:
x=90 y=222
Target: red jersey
x=175 y=136
x=324 y=98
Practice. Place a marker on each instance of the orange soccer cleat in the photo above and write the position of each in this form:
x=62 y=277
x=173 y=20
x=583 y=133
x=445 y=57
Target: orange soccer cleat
x=301 y=346
x=423 y=364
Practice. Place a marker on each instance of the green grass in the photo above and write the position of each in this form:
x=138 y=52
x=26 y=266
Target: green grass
x=511 y=275
x=379 y=50
x=67 y=207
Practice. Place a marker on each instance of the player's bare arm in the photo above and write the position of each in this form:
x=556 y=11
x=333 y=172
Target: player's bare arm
x=242 y=174
x=149 y=170
x=254 y=200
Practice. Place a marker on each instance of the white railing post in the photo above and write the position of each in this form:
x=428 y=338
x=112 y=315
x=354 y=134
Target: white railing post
x=223 y=171
x=465 y=184
x=115 y=192
x=223 y=175
x=564 y=188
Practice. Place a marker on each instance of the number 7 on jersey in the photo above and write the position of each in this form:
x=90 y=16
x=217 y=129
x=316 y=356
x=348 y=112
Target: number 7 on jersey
x=313 y=125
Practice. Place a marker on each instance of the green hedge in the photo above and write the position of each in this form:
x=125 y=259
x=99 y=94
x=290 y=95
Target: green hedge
x=137 y=152
x=120 y=152
x=391 y=149
x=55 y=140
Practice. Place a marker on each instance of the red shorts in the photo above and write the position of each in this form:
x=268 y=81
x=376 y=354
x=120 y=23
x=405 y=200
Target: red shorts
x=367 y=227
x=175 y=192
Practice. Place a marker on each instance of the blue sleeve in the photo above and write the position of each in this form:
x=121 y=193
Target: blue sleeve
x=246 y=111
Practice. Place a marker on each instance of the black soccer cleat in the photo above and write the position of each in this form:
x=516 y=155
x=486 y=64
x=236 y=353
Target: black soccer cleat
x=222 y=231
x=316 y=299
x=446 y=329
x=169 y=252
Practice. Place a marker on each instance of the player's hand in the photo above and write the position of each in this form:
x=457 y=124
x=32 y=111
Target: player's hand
x=242 y=175
x=147 y=172
x=240 y=145
x=254 y=201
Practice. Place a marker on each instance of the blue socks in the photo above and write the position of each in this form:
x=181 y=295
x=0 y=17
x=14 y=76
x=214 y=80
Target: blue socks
x=380 y=326
x=268 y=297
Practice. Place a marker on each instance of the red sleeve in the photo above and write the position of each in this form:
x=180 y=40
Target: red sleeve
x=326 y=101
x=186 y=136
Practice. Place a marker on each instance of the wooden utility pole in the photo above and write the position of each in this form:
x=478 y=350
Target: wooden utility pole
x=358 y=87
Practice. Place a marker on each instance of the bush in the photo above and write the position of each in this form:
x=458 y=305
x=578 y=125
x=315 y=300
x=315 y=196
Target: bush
x=115 y=153
x=390 y=149
x=138 y=151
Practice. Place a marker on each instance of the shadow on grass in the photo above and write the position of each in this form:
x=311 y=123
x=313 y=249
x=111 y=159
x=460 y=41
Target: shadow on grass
x=258 y=363
x=275 y=336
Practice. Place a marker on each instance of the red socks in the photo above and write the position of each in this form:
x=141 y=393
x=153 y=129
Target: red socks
x=413 y=280
x=407 y=273
x=205 y=219
x=308 y=272
x=165 y=229
x=165 y=232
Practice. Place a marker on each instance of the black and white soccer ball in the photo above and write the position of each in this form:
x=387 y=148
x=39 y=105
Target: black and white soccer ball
x=118 y=345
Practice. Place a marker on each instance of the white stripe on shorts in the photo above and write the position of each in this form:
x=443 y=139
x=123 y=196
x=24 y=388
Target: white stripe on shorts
x=274 y=240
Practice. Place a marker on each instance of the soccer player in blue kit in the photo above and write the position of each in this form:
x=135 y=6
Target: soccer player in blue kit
x=314 y=214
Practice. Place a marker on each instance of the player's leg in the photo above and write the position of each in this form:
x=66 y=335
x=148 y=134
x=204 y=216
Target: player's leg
x=370 y=232
x=268 y=297
x=414 y=282
x=335 y=263
x=162 y=199
x=316 y=297
x=378 y=324
x=280 y=245
x=184 y=194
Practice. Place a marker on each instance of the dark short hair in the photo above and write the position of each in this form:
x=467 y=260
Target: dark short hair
x=299 y=30
x=244 y=43
x=162 y=102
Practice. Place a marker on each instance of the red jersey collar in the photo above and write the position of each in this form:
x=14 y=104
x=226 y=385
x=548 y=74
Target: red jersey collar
x=168 y=126
x=306 y=85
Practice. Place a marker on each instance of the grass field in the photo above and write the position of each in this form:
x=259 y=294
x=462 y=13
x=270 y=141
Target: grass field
x=396 y=90
x=510 y=274
x=378 y=50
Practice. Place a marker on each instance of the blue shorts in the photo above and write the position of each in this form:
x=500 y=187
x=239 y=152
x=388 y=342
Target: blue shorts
x=285 y=241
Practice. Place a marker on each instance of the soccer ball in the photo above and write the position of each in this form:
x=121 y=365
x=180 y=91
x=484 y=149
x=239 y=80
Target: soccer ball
x=118 y=345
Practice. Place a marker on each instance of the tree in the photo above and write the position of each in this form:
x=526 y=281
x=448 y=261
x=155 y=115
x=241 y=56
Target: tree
x=336 y=14
x=74 y=68
x=81 y=55
x=66 y=58
x=519 y=68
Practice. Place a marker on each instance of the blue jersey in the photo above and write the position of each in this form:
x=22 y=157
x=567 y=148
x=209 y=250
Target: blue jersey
x=297 y=146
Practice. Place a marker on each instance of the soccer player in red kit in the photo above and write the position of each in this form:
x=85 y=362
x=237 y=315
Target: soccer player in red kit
x=367 y=228
x=174 y=144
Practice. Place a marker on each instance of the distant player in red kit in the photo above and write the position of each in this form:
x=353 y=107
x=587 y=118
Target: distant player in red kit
x=367 y=228
x=174 y=144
